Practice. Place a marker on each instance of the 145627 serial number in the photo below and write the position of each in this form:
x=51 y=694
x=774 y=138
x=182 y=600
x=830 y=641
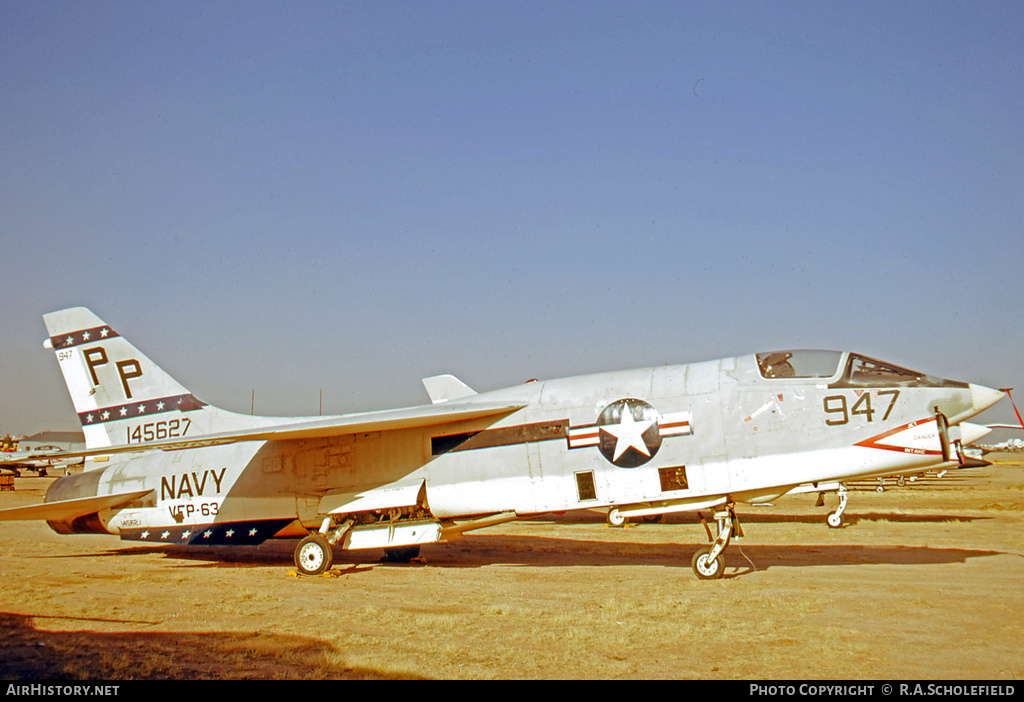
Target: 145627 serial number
x=158 y=431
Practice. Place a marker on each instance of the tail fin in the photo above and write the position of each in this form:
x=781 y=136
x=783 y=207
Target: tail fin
x=121 y=396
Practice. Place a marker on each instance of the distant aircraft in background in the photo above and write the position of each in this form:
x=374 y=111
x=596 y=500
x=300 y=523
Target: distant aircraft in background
x=17 y=461
x=700 y=436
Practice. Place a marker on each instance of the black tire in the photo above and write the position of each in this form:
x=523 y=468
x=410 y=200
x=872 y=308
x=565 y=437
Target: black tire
x=314 y=555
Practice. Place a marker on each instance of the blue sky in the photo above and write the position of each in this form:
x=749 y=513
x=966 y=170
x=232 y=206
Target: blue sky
x=349 y=196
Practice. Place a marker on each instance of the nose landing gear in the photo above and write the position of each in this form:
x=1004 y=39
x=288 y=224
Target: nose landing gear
x=835 y=520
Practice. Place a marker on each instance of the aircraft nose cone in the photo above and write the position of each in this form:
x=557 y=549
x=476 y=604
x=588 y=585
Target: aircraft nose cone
x=982 y=397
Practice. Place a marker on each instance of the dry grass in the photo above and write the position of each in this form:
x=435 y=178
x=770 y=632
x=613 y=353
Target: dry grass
x=889 y=596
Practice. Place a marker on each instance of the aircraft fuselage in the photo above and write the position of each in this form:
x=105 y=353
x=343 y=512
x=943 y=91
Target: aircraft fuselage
x=663 y=439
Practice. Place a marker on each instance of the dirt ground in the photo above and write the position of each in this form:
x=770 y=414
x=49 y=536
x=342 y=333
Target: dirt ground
x=923 y=582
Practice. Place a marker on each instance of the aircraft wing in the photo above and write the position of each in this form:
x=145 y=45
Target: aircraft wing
x=39 y=459
x=69 y=509
x=18 y=456
x=384 y=420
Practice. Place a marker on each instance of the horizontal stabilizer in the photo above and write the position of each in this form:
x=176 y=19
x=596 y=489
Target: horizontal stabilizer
x=67 y=510
x=443 y=388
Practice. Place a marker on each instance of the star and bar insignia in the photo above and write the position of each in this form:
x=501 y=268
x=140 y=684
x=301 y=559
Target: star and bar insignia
x=629 y=432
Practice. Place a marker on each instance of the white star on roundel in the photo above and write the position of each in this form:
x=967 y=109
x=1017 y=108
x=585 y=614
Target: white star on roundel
x=628 y=433
x=628 y=424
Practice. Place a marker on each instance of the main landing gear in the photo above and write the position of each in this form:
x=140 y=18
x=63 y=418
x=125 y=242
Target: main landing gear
x=314 y=554
x=616 y=518
x=708 y=562
x=398 y=532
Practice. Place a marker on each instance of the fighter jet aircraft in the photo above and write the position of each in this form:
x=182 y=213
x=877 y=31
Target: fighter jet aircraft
x=700 y=436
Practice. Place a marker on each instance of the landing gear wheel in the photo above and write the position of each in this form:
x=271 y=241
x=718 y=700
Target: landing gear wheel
x=706 y=569
x=314 y=555
x=616 y=518
x=401 y=554
x=835 y=520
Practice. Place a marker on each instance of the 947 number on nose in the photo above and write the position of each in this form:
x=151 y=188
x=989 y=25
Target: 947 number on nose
x=839 y=412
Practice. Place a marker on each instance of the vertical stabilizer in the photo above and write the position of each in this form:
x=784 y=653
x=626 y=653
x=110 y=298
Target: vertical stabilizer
x=121 y=396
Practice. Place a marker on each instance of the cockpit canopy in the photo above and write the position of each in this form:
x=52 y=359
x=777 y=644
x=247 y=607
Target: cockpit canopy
x=799 y=364
x=859 y=370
